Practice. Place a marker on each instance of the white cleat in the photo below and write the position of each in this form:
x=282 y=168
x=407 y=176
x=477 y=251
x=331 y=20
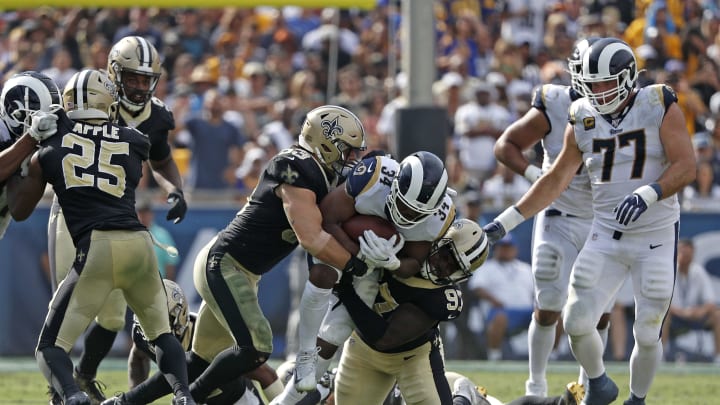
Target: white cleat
x=305 y=365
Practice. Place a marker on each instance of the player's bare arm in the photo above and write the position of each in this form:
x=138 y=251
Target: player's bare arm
x=166 y=174
x=407 y=323
x=552 y=183
x=25 y=192
x=679 y=152
x=305 y=218
x=412 y=255
x=12 y=157
x=336 y=208
x=518 y=137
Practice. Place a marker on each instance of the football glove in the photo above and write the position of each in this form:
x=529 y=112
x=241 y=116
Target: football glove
x=355 y=267
x=633 y=205
x=494 y=231
x=43 y=126
x=380 y=252
x=176 y=213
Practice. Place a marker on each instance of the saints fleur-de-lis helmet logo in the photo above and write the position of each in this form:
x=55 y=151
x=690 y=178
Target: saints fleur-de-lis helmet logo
x=331 y=129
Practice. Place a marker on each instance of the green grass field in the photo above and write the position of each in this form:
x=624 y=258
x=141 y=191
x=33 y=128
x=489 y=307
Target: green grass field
x=690 y=384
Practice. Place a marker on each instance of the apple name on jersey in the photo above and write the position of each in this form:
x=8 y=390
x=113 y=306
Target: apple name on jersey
x=625 y=152
x=554 y=101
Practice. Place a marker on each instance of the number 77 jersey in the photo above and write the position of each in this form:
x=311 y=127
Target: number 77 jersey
x=623 y=152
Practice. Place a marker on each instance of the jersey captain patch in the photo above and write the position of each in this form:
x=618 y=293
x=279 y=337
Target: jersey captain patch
x=589 y=123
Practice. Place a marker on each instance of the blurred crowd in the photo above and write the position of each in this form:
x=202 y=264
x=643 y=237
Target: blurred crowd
x=240 y=80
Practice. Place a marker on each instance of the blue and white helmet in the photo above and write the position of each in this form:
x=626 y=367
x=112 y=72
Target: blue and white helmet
x=24 y=94
x=609 y=59
x=417 y=190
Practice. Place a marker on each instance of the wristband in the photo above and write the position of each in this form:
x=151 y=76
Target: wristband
x=510 y=218
x=532 y=173
x=650 y=193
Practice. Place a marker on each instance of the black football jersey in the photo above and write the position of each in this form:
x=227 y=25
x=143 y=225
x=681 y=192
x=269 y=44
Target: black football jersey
x=156 y=123
x=443 y=303
x=260 y=236
x=94 y=170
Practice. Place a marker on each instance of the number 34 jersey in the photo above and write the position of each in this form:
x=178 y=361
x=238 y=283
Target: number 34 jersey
x=625 y=152
x=369 y=184
x=94 y=170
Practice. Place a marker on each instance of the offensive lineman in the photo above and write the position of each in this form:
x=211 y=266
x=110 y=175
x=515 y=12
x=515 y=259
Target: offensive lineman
x=560 y=231
x=134 y=67
x=635 y=146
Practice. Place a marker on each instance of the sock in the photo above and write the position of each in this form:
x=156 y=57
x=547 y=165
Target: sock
x=461 y=400
x=644 y=362
x=57 y=367
x=588 y=350
x=98 y=343
x=583 y=378
x=228 y=365
x=322 y=366
x=313 y=306
x=273 y=390
x=172 y=363
x=540 y=343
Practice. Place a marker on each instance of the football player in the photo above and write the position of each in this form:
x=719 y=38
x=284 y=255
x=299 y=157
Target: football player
x=281 y=213
x=559 y=231
x=398 y=339
x=411 y=195
x=94 y=168
x=134 y=68
x=636 y=148
x=26 y=103
x=183 y=326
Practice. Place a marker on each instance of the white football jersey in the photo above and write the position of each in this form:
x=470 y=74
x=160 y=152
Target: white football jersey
x=554 y=101
x=624 y=153
x=369 y=184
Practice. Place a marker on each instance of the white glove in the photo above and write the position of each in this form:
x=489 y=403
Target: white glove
x=44 y=125
x=380 y=252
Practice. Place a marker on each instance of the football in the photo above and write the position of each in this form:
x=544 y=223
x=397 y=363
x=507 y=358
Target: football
x=356 y=225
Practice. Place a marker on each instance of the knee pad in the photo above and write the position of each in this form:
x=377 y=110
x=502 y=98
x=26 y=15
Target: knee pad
x=548 y=262
x=337 y=325
x=579 y=318
x=587 y=270
x=112 y=314
x=657 y=282
x=249 y=354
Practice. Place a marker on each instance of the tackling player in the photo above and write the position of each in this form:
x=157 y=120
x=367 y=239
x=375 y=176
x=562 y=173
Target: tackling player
x=635 y=146
x=560 y=231
x=281 y=213
x=94 y=168
x=134 y=67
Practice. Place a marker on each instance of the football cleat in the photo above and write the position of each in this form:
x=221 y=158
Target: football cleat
x=78 y=398
x=602 y=391
x=539 y=389
x=91 y=386
x=183 y=400
x=55 y=397
x=305 y=365
x=118 y=399
x=573 y=395
x=465 y=388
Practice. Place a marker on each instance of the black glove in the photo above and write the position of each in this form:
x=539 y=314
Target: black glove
x=344 y=285
x=355 y=267
x=176 y=213
x=630 y=209
x=494 y=231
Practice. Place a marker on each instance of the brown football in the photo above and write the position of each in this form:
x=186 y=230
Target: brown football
x=356 y=225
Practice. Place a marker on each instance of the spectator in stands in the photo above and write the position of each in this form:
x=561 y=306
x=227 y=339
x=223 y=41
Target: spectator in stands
x=506 y=283
x=703 y=193
x=140 y=25
x=694 y=305
x=504 y=187
x=215 y=144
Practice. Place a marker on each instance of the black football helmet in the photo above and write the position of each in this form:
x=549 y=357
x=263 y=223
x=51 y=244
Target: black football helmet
x=22 y=95
x=608 y=60
x=417 y=190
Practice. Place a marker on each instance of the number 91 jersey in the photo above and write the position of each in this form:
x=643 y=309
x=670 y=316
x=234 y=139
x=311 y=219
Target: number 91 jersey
x=369 y=184
x=625 y=152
